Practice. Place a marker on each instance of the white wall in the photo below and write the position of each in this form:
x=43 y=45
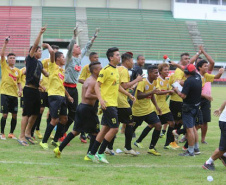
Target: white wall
x=156 y=4
x=123 y=4
x=91 y=3
x=199 y=11
x=26 y=2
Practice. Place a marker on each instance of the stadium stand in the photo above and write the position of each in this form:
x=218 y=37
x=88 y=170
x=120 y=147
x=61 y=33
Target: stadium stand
x=60 y=22
x=16 y=23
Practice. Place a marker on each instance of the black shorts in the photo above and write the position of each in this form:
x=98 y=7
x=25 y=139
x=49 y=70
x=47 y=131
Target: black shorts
x=44 y=99
x=31 y=101
x=166 y=117
x=125 y=115
x=73 y=92
x=96 y=106
x=176 y=109
x=110 y=117
x=9 y=104
x=57 y=106
x=22 y=102
x=205 y=107
x=86 y=119
x=222 y=145
x=150 y=119
x=199 y=118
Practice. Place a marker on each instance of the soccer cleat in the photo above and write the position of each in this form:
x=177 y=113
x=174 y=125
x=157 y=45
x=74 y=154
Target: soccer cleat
x=168 y=147
x=153 y=152
x=131 y=152
x=2 y=137
x=208 y=166
x=62 y=138
x=223 y=160
x=57 y=152
x=176 y=136
x=204 y=142
x=197 y=151
x=102 y=158
x=184 y=149
x=86 y=158
x=183 y=139
x=187 y=153
x=83 y=140
x=44 y=145
x=139 y=145
x=174 y=145
x=162 y=135
x=56 y=144
x=110 y=152
x=92 y=157
x=38 y=133
x=12 y=136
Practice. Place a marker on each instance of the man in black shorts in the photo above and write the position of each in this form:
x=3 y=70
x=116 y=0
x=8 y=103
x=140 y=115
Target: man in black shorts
x=31 y=93
x=191 y=95
x=86 y=119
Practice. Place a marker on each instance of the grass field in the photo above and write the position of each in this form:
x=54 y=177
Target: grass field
x=32 y=165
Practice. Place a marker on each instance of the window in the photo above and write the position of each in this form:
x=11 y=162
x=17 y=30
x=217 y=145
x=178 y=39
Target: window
x=214 y=2
x=191 y=1
x=204 y=1
x=223 y=2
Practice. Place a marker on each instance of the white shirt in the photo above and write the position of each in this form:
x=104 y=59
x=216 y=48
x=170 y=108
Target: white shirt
x=223 y=115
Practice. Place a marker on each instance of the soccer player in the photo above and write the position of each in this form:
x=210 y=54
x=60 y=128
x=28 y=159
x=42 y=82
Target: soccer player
x=31 y=93
x=143 y=109
x=9 y=91
x=220 y=152
x=86 y=118
x=56 y=97
x=72 y=70
x=44 y=83
x=106 y=88
x=22 y=81
x=191 y=95
x=124 y=109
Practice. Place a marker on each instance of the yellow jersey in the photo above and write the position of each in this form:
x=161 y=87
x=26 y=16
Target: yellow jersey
x=123 y=78
x=44 y=81
x=144 y=106
x=56 y=80
x=22 y=78
x=162 y=85
x=109 y=79
x=10 y=79
x=178 y=75
x=207 y=78
x=85 y=73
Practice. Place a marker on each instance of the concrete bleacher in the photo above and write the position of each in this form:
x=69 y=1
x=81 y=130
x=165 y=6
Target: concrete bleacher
x=16 y=23
x=60 y=23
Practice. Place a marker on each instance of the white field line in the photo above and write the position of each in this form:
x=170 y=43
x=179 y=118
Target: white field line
x=101 y=165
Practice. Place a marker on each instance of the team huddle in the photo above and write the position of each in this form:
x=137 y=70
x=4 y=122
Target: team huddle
x=115 y=95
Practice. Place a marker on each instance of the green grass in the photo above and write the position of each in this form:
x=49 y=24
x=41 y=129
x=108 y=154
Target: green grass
x=32 y=165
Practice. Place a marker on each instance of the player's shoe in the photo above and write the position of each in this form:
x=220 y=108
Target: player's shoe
x=223 y=160
x=187 y=153
x=176 y=136
x=2 y=137
x=92 y=157
x=168 y=147
x=38 y=134
x=183 y=139
x=86 y=158
x=184 y=149
x=131 y=152
x=153 y=151
x=57 y=152
x=12 y=136
x=56 y=144
x=83 y=138
x=174 y=145
x=162 y=135
x=208 y=166
x=102 y=158
x=45 y=146
x=197 y=151
x=110 y=152
x=139 y=145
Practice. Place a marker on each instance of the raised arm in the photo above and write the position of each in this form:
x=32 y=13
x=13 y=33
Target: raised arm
x=195 y=57
x=219 y=74
x=209 y=58
x=36 y=43
x=51 y=52
x=4 y=47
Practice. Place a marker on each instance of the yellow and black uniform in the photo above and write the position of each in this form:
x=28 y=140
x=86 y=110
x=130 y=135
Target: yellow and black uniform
x=44 y=82
x=56 y=91
x=207 y=78
x=143 y=109
x=124 y=109
x=175 y=100
x=9 y=89
x=23 y=82
x=85 y=73
x=163 y=85
x=109 y=79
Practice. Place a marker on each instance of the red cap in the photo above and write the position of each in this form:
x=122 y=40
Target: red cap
x=165 y=56
x=130 y=53
x=191 y=68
